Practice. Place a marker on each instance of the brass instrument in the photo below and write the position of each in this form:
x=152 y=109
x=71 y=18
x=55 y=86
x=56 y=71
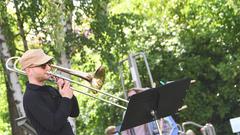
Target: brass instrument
x=207 y=129
x=96 y=80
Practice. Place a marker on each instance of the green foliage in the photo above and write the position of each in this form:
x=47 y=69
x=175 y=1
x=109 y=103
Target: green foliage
x=5 y=22
x=5 y=128
x=211 y=48
x=182 y=38
x=197 y=39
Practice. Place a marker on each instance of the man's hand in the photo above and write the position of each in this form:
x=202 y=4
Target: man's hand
x=64 y=88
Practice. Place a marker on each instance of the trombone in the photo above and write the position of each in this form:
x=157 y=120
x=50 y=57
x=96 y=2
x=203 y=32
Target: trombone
x=96 y=80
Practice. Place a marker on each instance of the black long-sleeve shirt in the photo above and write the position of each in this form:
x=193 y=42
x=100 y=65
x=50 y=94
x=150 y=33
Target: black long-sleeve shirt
x=48 y=111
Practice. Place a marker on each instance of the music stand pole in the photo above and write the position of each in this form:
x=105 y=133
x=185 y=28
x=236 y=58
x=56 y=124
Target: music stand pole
x=153 y=113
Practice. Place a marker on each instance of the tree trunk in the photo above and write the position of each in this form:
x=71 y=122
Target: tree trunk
x=65 y=55
x=62 y=25
x=65 y=62
x=14 y=95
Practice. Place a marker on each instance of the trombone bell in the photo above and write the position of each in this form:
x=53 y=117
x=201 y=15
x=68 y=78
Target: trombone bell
x=98 y=78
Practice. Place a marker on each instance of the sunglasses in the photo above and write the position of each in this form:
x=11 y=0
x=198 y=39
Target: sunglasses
x=43 y=66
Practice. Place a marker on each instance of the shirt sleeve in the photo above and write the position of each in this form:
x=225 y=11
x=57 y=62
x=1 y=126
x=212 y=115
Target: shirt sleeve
x=74 y=104
x=44 y=116
x=74 y=107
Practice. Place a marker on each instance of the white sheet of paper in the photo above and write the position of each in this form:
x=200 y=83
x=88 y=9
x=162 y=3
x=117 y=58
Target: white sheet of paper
x=235 y=124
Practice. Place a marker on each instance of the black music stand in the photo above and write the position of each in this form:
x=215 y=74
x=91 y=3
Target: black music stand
x=155 y=103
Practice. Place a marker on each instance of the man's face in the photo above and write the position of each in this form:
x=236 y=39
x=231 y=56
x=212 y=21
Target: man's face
x=39 y=73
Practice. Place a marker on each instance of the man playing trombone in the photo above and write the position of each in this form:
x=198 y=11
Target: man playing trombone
x=46 y=107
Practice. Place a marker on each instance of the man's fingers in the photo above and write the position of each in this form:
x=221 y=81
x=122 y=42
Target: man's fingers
x=60 y=82
x=66 y=85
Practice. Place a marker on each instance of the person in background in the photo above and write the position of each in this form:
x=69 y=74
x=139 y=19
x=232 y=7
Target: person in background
x=111 y=130
x=139 y=130
x=167 y=124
